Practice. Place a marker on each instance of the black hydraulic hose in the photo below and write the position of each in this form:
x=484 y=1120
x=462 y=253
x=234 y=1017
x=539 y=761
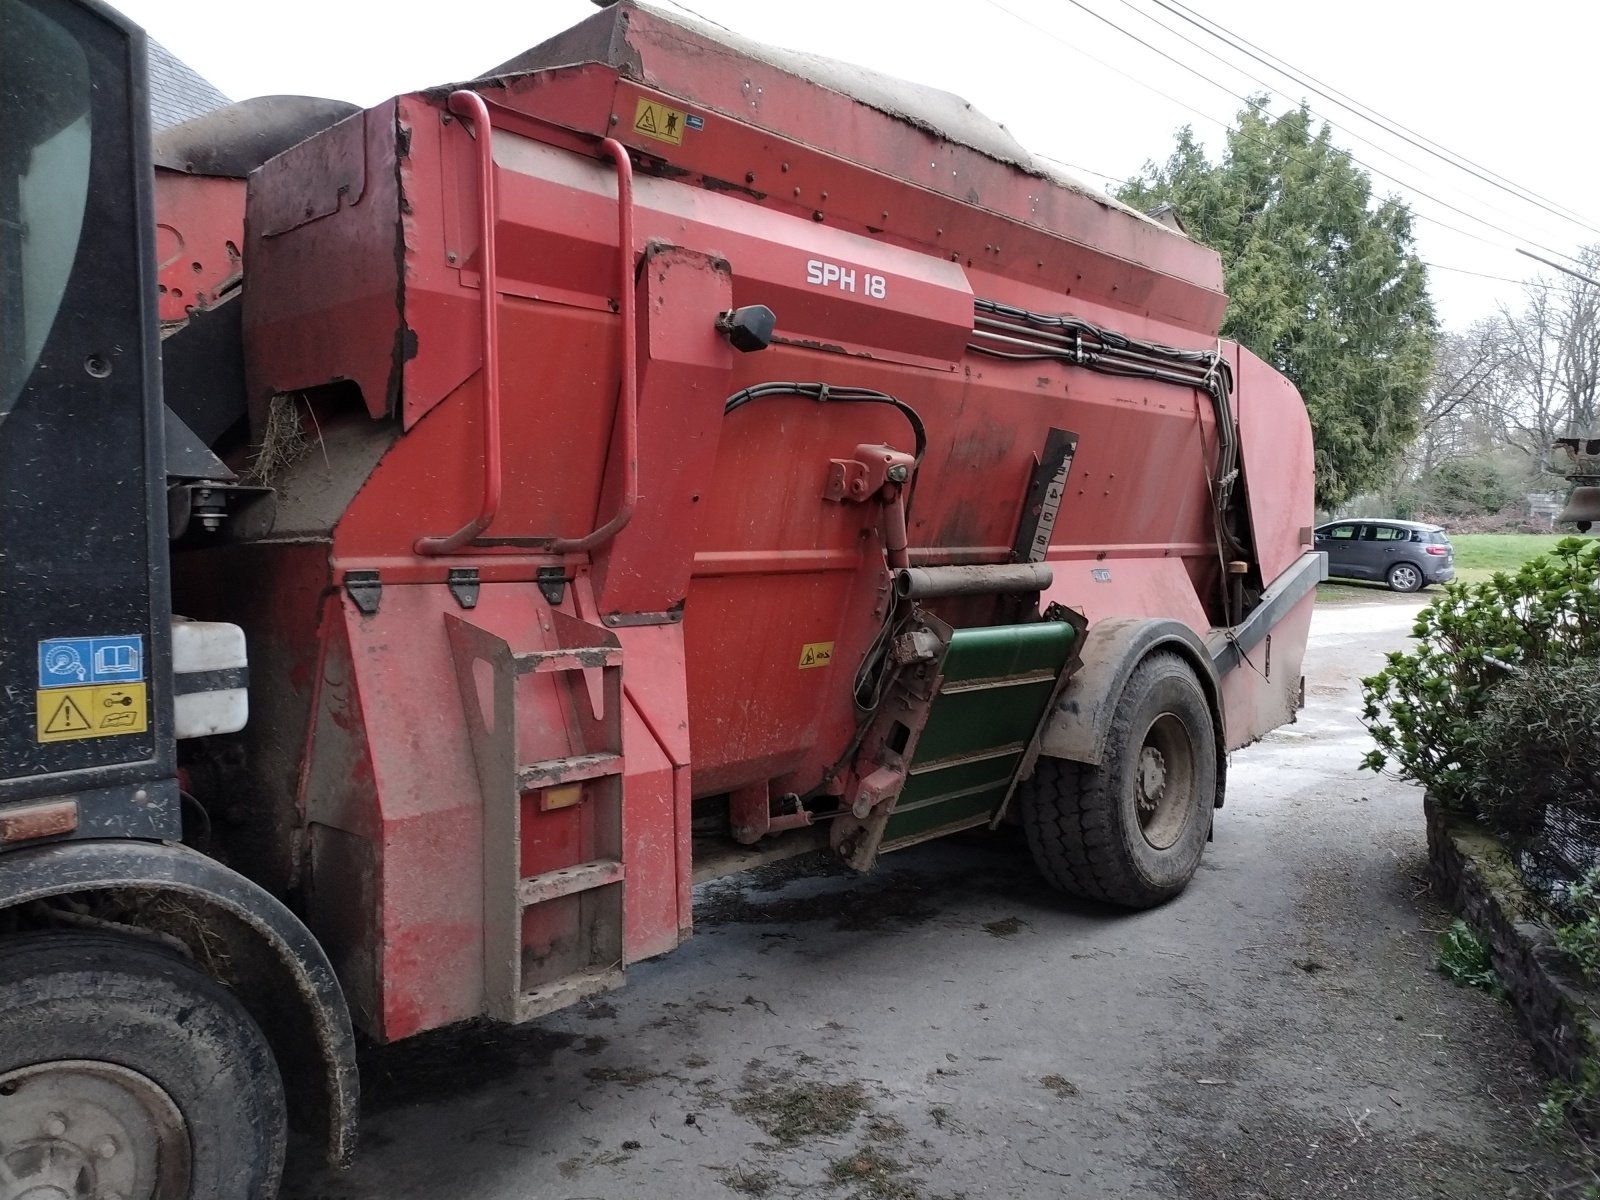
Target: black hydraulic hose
x=1032 y=336
x=826 y=393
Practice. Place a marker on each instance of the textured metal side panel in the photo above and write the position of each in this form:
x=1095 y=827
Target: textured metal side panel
x=1264 y=691
x=199 y=240
x=645 y=568
x=323 y=301
x=1279 y=470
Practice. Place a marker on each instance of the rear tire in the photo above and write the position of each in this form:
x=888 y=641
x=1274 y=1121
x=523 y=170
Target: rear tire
x=126 y=1071
x=1131 y=830
x=1403 y=577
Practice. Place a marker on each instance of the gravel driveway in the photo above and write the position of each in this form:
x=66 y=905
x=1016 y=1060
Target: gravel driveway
x=947 y=1027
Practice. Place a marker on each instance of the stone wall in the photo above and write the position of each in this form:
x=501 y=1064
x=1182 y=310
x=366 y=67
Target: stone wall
x=1477 y=880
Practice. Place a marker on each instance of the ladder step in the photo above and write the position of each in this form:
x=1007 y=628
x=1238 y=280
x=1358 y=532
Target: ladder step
x=550 y=772
x=582 y=658
x=552 y=885
x=564 y=992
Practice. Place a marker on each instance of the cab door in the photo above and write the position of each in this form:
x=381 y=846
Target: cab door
x=85 y=706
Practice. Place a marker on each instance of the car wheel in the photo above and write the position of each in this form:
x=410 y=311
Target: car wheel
x=1403 y=577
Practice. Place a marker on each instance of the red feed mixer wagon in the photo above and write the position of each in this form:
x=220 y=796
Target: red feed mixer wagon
x=662 y=455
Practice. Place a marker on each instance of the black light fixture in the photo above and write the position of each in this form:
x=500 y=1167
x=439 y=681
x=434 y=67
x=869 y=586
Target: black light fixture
x=1583 y=505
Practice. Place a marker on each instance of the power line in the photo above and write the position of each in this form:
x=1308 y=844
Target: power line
x=1294 y=79
x=1559 y=267
x=1226 y=126
x=1078 y=50
x=1061 y=162
x=1334 y=95
x=1365 y=165
x=700 y=16
x=1533 y=283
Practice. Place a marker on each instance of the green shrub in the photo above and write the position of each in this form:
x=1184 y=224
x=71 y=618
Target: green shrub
x=1581 y=938
x=1424 y=709
x=1537 y=743
x=1463 y=957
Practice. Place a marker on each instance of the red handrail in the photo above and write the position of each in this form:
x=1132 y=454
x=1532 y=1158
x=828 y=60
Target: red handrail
x=466 y=104
x=628 y=400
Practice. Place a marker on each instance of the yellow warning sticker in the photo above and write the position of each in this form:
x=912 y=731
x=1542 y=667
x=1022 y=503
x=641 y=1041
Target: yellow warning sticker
x=816 y=654
x=655 y=120
x=110 y=710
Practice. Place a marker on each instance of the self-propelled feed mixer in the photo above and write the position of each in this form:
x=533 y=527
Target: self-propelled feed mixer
x=664 y=454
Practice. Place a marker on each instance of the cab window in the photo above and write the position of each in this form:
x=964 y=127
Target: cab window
x=44 y=180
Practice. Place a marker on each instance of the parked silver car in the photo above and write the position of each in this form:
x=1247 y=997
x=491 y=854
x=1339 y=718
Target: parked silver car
x=1406 y=555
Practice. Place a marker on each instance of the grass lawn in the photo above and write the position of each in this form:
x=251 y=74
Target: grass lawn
x=1480 y=555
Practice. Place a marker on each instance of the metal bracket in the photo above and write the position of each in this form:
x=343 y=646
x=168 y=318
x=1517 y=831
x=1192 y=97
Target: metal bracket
x=366 y=589
x=209 y=505
x=463 y=585
x=619 y=620
x=552 y=583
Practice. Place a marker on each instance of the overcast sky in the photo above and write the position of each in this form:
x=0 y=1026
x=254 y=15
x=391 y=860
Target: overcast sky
x=1509 y=88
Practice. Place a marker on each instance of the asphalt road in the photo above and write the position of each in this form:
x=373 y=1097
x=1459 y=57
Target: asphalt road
x=947 y=1027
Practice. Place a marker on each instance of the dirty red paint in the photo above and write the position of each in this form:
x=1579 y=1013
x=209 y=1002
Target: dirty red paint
x=365 y=270
x=199 y=240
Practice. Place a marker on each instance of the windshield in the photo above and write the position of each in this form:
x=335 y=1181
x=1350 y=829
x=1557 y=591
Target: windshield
x=44 y=181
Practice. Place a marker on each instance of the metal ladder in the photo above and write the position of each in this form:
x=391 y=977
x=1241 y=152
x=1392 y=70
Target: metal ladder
x=553 y=937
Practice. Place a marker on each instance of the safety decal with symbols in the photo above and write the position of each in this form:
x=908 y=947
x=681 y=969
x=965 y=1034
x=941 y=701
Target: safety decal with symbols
x=91 y=687
x=66 y=714
x=656 y=120
x=815 y=654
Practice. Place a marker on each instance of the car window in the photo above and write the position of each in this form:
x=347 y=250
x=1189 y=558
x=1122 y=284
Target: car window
x=1342 y=533
x=1384 y=533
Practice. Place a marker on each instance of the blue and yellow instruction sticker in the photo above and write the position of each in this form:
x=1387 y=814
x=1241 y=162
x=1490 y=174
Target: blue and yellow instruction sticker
x=91 y=687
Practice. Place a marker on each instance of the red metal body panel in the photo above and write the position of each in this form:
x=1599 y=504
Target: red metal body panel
x=366 y=267
x=1275 y=437
x=331 y=205
x=199 y=240
x=1265 y=692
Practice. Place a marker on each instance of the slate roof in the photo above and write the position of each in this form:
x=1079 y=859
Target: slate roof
x=177 y=91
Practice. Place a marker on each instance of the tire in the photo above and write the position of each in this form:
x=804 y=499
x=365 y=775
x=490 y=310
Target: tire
x=1403 y=577
x=126 y=1071
x=1095 y=831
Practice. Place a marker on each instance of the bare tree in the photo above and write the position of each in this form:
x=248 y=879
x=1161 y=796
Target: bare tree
x=1555 y=361
x=1469 y=385
x=1502 y=391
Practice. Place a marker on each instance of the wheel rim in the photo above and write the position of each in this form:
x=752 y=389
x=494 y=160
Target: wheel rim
x=1163 y=784
x=1406 y=578
x=81 y=1130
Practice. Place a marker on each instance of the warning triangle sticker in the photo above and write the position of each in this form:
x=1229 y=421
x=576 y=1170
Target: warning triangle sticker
x=647 y=120
x=809 y=658
x=68 y=718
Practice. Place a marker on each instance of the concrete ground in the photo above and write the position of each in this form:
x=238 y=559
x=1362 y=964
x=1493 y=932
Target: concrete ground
x=947 y=1027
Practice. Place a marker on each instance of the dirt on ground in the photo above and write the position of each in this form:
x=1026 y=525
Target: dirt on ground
x=948 y=1027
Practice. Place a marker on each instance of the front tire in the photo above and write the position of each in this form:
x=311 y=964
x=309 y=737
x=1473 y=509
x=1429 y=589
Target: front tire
x=125 y=1071
x=1403 y=577
x=1131 y=830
